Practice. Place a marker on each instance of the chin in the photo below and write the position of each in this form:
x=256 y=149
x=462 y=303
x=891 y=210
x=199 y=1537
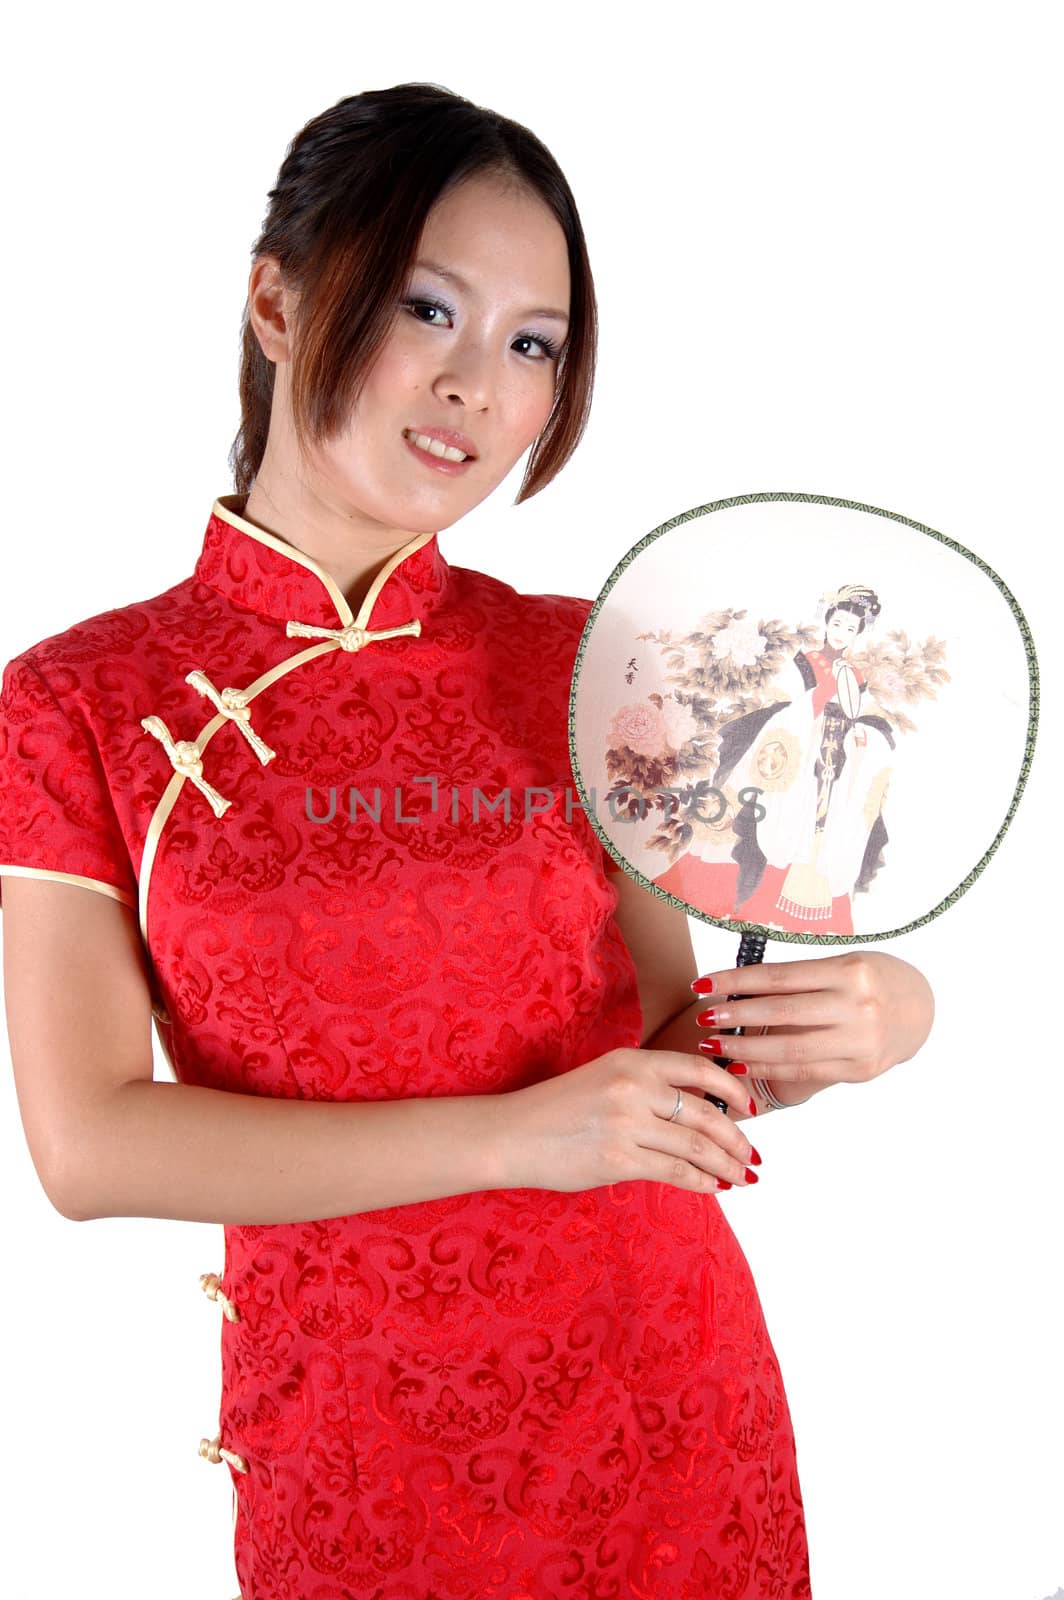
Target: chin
x=425 y=519
x=449 y=509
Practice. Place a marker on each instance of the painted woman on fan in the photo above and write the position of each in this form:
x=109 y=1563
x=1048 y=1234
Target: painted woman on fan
x=802 y=782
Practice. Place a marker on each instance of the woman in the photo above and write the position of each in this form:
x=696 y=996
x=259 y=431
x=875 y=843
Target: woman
x=484 y=1326
x=823 y=764
x=805 y=778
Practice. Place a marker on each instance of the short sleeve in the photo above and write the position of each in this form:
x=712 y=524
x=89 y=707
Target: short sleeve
x=57 y=819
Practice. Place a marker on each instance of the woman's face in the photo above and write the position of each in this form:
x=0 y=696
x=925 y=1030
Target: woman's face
x=842 y=629
x=466 y=353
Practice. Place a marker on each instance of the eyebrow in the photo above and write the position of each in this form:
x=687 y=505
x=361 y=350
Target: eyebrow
x=460 y=283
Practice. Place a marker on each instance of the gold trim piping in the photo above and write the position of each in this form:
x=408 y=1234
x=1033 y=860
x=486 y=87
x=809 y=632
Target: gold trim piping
x=168 y=798
x=370 y=600
x=169 y=795
x=226 y=513
x=71 y=877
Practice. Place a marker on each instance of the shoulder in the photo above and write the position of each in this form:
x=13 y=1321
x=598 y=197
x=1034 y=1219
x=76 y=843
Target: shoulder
x=563 y=614
x=110 y=652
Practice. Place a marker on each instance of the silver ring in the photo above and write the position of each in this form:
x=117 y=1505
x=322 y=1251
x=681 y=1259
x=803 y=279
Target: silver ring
x=762 y=1087
x=679 y=1105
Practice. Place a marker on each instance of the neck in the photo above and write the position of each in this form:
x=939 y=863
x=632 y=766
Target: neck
x=352 y=554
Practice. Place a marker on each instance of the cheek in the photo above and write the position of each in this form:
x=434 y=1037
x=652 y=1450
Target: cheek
x=395 y=375
x=532 y=406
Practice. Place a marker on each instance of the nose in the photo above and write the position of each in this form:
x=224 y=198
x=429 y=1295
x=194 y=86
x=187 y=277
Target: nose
x=467 y=378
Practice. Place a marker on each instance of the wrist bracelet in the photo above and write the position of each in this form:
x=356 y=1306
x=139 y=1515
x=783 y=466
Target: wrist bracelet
x=766 y=1094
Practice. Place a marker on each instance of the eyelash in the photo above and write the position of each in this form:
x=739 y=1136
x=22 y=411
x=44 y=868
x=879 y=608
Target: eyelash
x=551 y=348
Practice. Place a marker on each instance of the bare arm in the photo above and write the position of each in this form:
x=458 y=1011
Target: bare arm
x=658 y=936
x=108 y=1141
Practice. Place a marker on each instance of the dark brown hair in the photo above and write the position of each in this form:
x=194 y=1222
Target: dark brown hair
x=345 y=218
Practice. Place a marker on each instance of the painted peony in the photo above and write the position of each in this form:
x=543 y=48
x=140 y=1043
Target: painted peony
x=740 y=642
x=642 y=728
x=680 y=724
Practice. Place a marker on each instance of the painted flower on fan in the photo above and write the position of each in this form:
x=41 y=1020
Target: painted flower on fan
x=640 y=728
x=680 y=723
x=891 y=684
x=741 y=642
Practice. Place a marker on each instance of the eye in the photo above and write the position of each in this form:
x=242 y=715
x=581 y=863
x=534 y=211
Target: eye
x=424 y=303
x=548 y=346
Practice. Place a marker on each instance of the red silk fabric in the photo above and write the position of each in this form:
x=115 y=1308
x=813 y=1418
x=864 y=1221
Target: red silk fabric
x=519 y=1394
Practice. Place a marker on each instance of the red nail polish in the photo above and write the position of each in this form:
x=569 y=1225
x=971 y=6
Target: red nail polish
x=737 y=1067
x=751 y=1177
x=707 y=1019
x=754 y=1157
x=703 y=986
x=714 y=1046
x=723 y=1184
x=752 y=1108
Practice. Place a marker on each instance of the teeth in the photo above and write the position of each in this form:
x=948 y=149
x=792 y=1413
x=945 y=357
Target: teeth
x=435 y=446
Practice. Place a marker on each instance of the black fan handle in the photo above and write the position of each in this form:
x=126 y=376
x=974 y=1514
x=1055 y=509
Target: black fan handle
x=751 y=950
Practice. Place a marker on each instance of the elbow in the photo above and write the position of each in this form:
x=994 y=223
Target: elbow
x=65 y=1191
x=72 y=1213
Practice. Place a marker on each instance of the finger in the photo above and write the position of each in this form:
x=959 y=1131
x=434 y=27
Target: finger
x=770 y=977
x=697 y=1117
x=822 y=1007
x=716 y=1145
x=697 y=1075
x=711 y=1164
x=724 y=1085
x=678 y=1171
x=789 y=1055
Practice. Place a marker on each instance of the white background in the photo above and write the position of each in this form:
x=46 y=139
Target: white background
x=826 y=253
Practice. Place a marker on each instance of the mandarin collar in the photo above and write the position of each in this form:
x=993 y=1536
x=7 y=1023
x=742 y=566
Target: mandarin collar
x=265 y=574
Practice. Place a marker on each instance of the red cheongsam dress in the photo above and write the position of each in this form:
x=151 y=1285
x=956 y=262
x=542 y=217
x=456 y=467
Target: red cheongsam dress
x=513 y=1394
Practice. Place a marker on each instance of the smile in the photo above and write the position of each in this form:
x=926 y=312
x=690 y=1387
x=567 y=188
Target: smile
x=435 y=454
x=437 y=448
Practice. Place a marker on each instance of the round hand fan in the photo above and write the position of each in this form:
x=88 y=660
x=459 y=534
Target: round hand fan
x=803 y=718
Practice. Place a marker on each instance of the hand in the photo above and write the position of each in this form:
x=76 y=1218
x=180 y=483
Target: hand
x=607 y=1121
x=836 y=1019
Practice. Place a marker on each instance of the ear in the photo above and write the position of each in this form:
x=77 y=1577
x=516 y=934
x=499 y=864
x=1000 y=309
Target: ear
x=271 y=307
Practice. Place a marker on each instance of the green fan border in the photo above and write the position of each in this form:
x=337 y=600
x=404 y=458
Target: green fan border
x=784 y=935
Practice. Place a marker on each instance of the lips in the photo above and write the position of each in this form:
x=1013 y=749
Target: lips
x=451 y=436
x=434 y=460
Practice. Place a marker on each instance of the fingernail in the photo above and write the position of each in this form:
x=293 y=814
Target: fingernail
x=710 y=1018
x=723 y=1184
x=751 y=1177
x=754 y=1157
x=737 y=1066
x=715 y=1046
x=703 y=986
x=751 y=1108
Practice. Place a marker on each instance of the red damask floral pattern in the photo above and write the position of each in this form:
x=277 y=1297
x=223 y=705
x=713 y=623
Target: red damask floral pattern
x=513 y=1394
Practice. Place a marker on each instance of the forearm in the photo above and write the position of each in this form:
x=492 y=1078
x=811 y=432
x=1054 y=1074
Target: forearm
x=683 y=1033
x=157 y=1149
